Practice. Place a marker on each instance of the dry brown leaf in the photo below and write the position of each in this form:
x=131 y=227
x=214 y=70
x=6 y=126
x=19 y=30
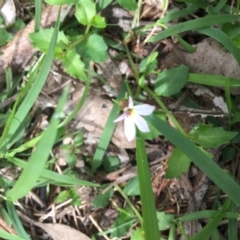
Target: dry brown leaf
x=62 y=232
x=55 y=230
x=93 y=117
x=19 y=50
x=209 y=58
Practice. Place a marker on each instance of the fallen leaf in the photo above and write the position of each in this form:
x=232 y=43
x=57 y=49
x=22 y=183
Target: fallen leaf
x=62 y=232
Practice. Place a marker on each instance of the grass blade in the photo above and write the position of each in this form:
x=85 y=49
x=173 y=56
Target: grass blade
x=150 y=223
x=107 y=132
x=193 y=25
x=223 y=39
x=39 y=157
x=17 y=224
x=205 y=163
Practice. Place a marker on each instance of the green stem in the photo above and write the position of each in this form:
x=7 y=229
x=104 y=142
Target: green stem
x=129 y=203
x=136 y=15
x=165 y=110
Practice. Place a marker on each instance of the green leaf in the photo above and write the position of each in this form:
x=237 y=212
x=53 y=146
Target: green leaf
x=178 y=164
x=164 y=220
x=122 y=223
x=171 y=81
x=33 y=170
x=153 y=131
x=206 y=232
x=41 y=40
x=138 y=234
x=62 y=196
x=102 y=199
x=96 y=48
x=79 y=139
x=132 y=187
x=98 y=21
x=111 y=163
x=222 y=179
x=60 y=2
x=101 y=4
x=85 y=11
x=73 y=65
x=148 y=204
x=4 y=36
x=128 y=4
x=71 y=159
x=211 y=137
x=199 y=24
x=148 y=64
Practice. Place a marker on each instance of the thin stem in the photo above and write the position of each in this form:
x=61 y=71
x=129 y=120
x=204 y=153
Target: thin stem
x=165 y=110
x=129 y=203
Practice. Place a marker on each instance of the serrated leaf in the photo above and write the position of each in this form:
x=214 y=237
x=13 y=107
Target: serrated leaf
x=171 y=81
x=96 y=48
x=85 y=11
x=177 y=164
x=98 y=21
x=41 y=40
x=60 y=2
x=73 y=65
x=128 y=4
x=211 y=137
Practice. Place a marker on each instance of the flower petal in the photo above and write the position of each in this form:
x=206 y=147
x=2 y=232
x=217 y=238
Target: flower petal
x=144 y=109
x=141 y=123
x=129 y=128
x=130 y=102
x=120 y=118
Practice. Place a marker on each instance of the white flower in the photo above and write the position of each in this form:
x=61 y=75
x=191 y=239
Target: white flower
x=132 y=115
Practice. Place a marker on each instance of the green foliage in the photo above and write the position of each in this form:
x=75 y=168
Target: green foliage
x=128 y=4
x=74 y=65
x=68 y=194
x=148 y=64
x=210 y=137
x=171 y=81
x=178 y=164
x=132 y=187
x=74 y=50
x=60 y=2
x=102 y=199
x=111 y=163
x=123 y=223
x=164 y=220
x=138 y=234
x=95 y=48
